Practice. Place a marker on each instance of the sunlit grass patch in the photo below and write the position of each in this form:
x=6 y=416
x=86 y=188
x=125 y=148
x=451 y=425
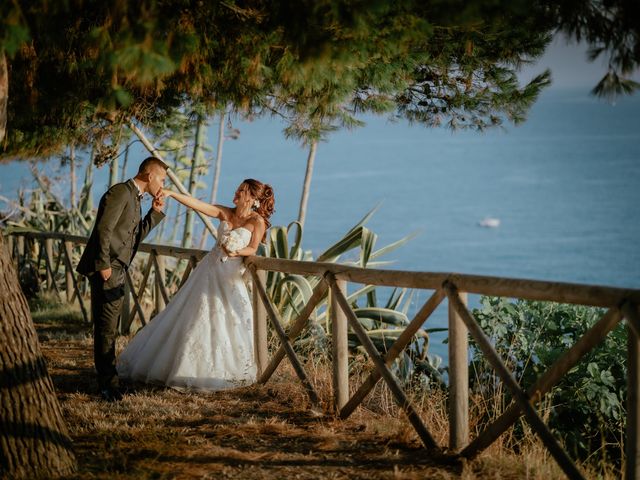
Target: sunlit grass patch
x=49 y=308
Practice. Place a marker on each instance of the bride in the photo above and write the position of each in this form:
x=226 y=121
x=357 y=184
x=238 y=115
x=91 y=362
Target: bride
x=203 y=339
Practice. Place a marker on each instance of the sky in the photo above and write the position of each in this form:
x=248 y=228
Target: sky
x=569 y=66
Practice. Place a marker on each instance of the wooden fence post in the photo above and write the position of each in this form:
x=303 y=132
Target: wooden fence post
x=340 y=350
x=48 y=250
x=632 y=447
x=68 y=249
x=260 y=326
x=458 y=379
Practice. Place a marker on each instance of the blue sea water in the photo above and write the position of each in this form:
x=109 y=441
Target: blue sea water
x=565 y=186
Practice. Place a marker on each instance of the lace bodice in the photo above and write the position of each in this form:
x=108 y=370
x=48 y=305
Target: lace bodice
x=233 y=239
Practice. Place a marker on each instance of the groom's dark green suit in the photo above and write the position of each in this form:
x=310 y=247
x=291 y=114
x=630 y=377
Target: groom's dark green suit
x=118 y=231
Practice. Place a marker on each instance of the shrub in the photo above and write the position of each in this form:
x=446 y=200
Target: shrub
x=585 y=409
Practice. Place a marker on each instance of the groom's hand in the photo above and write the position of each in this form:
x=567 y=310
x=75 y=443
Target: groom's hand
x=105 y=274
x=158 y=201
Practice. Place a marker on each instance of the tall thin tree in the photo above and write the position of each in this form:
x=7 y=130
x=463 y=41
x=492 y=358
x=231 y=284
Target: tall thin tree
x=4 y=94
x=193 y=179
x=216 y=174
x=306 y=187
x=73 y=198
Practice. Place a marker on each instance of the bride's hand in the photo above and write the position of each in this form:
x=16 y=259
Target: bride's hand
x=167 y=193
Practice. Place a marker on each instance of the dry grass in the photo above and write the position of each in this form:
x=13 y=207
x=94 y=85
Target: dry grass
x=263 y=431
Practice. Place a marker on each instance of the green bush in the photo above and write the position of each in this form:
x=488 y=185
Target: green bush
x=586 y=408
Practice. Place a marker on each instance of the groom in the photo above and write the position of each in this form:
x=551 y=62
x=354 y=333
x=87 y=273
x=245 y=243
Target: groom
x=114 y=240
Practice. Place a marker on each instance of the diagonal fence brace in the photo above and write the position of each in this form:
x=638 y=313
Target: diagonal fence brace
x=401 y=342
x=317 y=295
x=378 y=361
x=275 y=321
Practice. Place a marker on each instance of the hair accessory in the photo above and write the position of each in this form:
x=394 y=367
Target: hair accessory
x=256 y=203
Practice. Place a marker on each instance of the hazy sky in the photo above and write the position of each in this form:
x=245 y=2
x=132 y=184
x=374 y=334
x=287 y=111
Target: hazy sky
x=569 y=65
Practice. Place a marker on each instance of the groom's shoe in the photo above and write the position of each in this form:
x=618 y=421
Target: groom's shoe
x=111 y=395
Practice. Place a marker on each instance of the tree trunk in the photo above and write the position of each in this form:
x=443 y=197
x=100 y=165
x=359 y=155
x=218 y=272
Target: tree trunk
x=113 y=172
x=216 y=174
x=124 y=164
x=72 y=175
x=34 y=441
x=4 y=94
x=216 y=171
x=193 y=177
x=88 y=184
x=307 y=182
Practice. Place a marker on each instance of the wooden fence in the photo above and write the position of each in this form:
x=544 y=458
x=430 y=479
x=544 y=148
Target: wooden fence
x=620 y=303
x=54 y=253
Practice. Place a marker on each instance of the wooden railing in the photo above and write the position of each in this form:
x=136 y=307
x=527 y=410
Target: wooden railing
x=53 y=251
x=620 y=303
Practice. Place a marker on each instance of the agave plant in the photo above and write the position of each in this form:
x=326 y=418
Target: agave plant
x=383 y=322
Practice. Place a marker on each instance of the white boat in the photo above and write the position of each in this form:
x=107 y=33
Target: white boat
x=489 y=222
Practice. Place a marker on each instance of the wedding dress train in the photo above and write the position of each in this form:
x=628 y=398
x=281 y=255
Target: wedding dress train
x=203 y=339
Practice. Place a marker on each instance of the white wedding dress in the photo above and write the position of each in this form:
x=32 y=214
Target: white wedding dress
x=203 y=339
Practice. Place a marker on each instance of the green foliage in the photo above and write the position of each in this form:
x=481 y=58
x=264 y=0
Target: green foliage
x=586 y=407
x=317 y=63
x=612 y=30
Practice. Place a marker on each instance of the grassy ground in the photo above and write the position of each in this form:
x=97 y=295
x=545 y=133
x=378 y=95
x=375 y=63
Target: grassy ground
x=257 y=432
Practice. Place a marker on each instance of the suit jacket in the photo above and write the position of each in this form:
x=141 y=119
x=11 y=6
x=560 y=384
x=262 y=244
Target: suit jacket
x=118 y=230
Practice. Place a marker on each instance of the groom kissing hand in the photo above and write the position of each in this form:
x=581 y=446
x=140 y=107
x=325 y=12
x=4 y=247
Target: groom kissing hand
x=114 y=241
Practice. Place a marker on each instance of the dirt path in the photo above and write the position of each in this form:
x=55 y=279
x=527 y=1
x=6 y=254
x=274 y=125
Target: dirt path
x=256 y=432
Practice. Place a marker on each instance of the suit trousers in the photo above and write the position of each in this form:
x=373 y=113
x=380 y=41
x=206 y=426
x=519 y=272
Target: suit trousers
x=106 y=307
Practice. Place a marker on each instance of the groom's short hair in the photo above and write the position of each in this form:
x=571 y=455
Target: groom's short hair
x=150 y=162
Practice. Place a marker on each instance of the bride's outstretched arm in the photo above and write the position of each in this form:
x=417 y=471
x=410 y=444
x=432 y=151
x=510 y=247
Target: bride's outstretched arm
x=199 y=205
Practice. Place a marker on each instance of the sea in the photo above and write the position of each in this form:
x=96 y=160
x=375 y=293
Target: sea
x=561 y=191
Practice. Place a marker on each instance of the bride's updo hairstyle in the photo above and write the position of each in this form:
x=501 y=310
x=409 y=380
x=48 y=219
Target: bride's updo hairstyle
x=263 y=193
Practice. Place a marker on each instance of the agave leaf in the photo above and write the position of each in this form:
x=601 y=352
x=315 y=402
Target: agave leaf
x=297 y=243
x=351 y=240
x=367 y=243
x=85 y=198
x=362 y=291
x=80 y=218
x=367 y=323
x=382 y=343
x=295 y=301
x=372 y=299
x=434 y=330
x=350 y=298
x=380 y=263
x=393 y=333
x=383 y=315
x=364 y=219
x=405 y=308
x=395 y=298
x=393 y=246
x=279 y=242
